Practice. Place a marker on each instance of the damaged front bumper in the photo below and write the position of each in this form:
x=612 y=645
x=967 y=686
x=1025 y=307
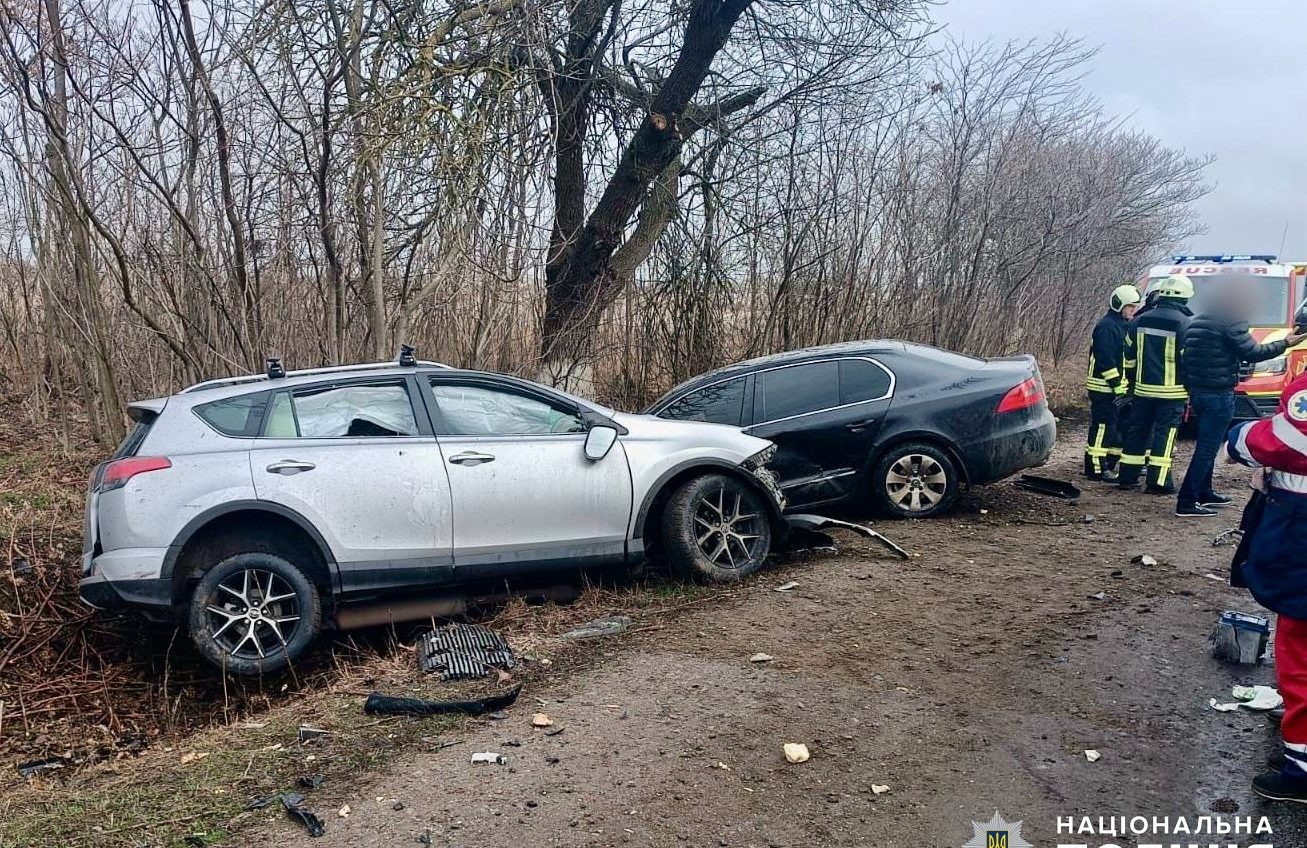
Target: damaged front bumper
x=757 y=466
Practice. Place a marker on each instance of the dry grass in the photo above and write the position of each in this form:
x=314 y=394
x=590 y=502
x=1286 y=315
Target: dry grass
x=164 y=795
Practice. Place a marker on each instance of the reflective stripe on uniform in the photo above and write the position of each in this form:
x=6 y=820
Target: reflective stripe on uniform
x=1296 y=483
x=1133 y=459
x=1162 y=392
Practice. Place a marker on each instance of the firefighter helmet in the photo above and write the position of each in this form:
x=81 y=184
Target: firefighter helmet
x=1123 y=296
x=1177 y=286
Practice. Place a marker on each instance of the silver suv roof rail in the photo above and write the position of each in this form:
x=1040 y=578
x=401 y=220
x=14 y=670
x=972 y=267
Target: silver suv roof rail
x=222 y=382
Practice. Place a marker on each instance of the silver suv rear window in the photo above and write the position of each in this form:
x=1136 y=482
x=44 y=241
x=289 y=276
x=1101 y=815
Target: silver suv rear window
x=240 y=416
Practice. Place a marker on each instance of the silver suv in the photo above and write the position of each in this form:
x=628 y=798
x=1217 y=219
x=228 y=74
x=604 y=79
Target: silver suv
x=260 y=509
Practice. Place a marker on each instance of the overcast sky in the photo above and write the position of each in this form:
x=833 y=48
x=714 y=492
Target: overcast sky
x=1220 y=77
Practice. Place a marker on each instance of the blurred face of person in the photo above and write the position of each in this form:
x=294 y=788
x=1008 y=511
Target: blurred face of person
x=1234 y=298
x=1128 y=312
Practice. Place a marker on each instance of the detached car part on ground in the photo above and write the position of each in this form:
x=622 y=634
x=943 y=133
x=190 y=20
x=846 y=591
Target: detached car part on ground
x=260 y=509
x=902 y=425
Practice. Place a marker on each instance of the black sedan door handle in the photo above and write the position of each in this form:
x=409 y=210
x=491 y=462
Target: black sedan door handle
x=859 y=426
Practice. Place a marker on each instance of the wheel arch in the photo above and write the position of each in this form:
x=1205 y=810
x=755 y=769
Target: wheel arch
x=651 y=509
x=273 y=528
x=935 y=439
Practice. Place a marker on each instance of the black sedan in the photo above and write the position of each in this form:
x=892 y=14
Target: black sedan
x=903 y=424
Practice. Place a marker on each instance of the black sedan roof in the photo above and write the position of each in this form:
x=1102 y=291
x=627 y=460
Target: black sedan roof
x=789 y=357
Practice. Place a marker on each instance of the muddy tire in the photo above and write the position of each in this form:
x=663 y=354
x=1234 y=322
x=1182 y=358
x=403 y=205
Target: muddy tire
x=253 y=614
x=716 y=528
x=914 y=480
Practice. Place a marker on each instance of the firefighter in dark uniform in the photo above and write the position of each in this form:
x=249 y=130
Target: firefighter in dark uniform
x=1108 y=386
x=1157 y=394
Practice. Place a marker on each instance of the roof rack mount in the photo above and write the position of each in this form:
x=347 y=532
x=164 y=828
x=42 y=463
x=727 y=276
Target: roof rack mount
x=331 y=369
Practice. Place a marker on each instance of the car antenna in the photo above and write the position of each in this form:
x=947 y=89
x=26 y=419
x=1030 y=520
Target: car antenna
x=406 y=357
x=275 y=369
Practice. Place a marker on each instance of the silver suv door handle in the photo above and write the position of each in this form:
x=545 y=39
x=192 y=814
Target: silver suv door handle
x=290 y=466
x=471 y=458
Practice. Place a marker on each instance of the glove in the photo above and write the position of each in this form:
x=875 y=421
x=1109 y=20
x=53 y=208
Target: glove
x=1122 y=401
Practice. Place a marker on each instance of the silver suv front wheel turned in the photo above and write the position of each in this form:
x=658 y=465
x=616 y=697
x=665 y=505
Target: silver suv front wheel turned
x=717 y=528
x=254 y=613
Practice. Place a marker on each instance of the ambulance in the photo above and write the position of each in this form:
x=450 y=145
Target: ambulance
x=1281 y=289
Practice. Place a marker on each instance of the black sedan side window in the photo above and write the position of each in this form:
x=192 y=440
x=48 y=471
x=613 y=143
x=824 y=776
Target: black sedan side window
x=861 y=380
x=720 y=403
x=783 y=392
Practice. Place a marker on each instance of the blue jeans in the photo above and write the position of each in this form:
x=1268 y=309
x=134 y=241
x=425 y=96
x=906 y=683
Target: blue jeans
x=1213 y=412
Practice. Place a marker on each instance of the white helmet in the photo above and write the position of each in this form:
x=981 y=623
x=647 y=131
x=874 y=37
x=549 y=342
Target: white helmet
x=1123 y=296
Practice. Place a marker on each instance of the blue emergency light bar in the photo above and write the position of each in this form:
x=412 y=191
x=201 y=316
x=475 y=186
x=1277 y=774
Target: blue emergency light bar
x=1227 y=258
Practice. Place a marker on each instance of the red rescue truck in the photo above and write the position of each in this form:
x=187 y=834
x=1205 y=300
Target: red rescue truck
x=1280 y=288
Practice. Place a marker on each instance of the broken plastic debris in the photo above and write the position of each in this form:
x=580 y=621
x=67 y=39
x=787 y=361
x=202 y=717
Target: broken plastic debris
x=308 y=733
x=379 y=704
x=797 y=752
x=761 y=658
x=263 y=803
x=788 y=586
x=306 y=782
x=816 y=523
x=1259 y=698
x=1145 y=559
x=1228 y=537
x=1098 y=596
x=1222 y=708
x=878 y=789
x=344 y=812
x=463 y=651
x=610 y=626
x=541 y=720
x=1092 y=755
x=38 y=766
x=488 y=758
x=293 y=804
x=1048 y=486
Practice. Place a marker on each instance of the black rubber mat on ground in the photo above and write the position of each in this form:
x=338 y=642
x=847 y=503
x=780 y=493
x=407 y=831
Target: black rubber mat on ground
x=463 y=651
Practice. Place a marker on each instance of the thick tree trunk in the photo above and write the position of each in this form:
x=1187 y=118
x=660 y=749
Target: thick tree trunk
x=580 y=280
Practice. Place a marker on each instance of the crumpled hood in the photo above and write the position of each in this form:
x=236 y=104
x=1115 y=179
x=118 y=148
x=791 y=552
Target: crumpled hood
x=691 y=433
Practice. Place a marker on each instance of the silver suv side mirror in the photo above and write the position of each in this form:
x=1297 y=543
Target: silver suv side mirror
x=599 y=440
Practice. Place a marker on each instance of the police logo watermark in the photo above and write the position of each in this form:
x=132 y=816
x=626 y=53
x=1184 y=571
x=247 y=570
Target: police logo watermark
x=997 y=833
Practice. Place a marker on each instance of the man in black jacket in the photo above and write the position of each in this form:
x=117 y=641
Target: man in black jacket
x=1217 y=344
x=1107 y=385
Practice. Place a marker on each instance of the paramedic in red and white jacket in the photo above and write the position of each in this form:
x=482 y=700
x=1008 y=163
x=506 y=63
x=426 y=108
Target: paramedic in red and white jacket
x=1276 y=570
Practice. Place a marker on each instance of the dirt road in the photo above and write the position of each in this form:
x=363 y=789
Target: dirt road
x=970 y=679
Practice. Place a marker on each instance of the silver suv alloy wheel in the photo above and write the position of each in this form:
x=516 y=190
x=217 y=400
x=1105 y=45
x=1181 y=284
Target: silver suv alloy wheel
x=725 y=532
x=257 y=612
